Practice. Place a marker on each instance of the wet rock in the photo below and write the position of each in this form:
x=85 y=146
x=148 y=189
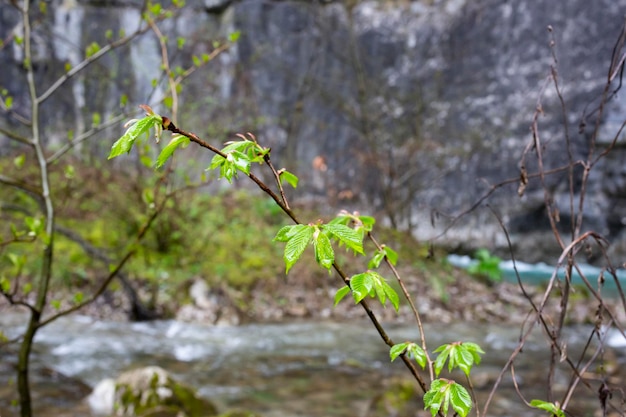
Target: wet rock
x=209 y=305
x=148 y=391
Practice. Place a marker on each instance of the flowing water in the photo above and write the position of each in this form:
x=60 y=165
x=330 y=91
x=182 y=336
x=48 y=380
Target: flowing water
x=292 y=369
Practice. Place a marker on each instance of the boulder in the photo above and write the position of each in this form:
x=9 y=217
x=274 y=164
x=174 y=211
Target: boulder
x=147 y=392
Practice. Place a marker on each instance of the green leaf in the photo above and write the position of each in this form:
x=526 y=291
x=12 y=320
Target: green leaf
x=239 y=156
x=5 y=285
x=460 y=399
x=341 y=293
x=298 y=241
x=8 y=102
x=69 y=172
x=286 y=232
x=56 y=304
x=34 y=224
x=234 y=36
x=28 y=287
x=376 y=260
x=391 y=294
x=551 y=408
x=373 y=284
x=196 y=61
x=361 y=285
x=19 y=160
x=368 y=222
x=289 y=177
x=168 y=151
x=125 y=143
x=96 y=119
x=324 y=253
x=444 y=352
x=436 y=397
x=459 y=354
x=92 y=49
x=345 y=235
x=240 y=161
x=180 y=42
x=418 y=354
x=397 y=350
x=78 y=297
x=391 y=255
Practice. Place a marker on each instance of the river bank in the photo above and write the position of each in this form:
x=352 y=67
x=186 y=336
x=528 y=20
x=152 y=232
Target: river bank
x=451 y=296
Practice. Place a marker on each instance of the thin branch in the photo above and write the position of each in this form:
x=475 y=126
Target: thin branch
x=87 y=61
x=84 y=136
x=409 y=299
x=24 y=186
x=15 y=136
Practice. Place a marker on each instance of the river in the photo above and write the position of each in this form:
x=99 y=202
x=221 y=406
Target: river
x=278 y=370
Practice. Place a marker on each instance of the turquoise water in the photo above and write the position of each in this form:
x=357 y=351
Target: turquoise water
x=541 y=273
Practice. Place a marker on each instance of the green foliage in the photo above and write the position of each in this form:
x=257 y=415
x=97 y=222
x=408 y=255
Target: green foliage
x=459 y=354
x=135 y=130
x=299 y=236
x=444 y=393
x=412 y=349
x=369 y=283
x=239 y=156
x=92 y=49
x=289 y=178
x=167 y=152
x=382 y=253
x=553 y=408
x=486 y=265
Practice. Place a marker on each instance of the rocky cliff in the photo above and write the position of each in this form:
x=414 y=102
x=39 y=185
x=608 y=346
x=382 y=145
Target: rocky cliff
x=409 y=109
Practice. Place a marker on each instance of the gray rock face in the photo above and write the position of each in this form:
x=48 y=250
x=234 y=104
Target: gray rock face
x=415 y=109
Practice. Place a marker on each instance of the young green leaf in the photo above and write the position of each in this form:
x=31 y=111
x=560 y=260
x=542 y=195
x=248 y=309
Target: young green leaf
x=240 y=161
x=92 y=49
x=289 y=177
x=78 y=297
x=460 y=399
x=373 y=284
x=5 y=285
x=384 y=291
x=286 y=232
x=397 y=350
x=391 y=255
x=168 y=151
x=551 y=408
x=458 y=354
x=296 y=244
x=341 y=293
x=417 y=353
x=234 y=36
x=376 y=259
x=239 y=156
x=324 y=254
x=125 y=143
x=443 y=393
x=19 y=160
x=361 y=285
x=345 y=235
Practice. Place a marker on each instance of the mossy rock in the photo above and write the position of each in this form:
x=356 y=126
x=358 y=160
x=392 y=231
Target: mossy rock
x=152 y=392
